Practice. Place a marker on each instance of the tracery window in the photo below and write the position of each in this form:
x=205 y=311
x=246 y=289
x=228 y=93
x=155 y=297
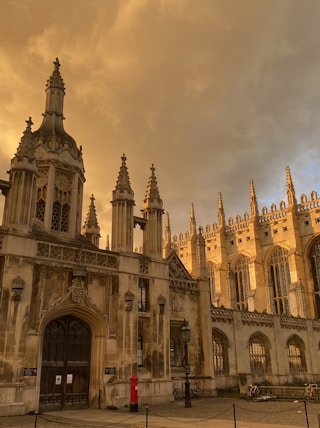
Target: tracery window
x=315 y=268
x=220 y=353
x=259 y=355
x=280 y=278
x=296 y=357
x=61 y=201
x=242 y=280
x=60 y=216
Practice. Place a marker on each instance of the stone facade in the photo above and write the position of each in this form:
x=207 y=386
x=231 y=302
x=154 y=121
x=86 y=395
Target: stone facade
x=264 y=271
x=79 y=322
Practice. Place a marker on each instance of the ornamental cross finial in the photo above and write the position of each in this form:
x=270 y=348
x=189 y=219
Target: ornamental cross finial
x=56 y=64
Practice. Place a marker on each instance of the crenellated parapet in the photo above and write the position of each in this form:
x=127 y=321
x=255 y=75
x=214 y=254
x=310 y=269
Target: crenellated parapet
x=308 y=205
x=268 y=216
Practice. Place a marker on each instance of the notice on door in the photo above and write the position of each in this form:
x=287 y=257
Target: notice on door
x=69 y=378
x=58 y=379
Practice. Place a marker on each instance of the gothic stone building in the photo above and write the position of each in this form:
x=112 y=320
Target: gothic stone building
x=79 y=322
x=264 y=273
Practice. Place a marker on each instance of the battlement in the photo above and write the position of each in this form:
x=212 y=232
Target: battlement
x=268 y=216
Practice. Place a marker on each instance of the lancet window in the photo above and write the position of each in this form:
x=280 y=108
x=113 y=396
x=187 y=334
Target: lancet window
x=280 y=277
x=242 y=280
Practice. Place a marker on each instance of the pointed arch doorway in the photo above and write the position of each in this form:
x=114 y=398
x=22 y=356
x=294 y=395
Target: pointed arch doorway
x=65 y=364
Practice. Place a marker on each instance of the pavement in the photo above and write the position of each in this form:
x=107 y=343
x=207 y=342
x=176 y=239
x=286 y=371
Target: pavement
x=217 y=412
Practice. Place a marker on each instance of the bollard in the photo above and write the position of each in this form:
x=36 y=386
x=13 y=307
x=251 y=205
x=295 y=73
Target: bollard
x=134 y=393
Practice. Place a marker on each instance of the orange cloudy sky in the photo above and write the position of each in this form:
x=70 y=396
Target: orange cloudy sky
x=213 y=92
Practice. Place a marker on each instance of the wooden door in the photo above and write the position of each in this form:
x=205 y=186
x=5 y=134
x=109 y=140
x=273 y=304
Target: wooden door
x=65 y=364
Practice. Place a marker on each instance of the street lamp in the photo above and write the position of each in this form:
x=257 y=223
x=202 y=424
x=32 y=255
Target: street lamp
x=185 y=335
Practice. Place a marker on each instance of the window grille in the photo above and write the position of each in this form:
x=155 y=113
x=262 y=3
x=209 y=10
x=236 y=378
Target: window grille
x=295 y=358
x=258 y=357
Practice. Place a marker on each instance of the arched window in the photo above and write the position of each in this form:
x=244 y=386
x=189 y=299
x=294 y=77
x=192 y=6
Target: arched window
x=280 y=277
x=315 y=268
x=296 y=358
x=211 y=280
x=220 y=346
x=259 y=354
x=242 y=282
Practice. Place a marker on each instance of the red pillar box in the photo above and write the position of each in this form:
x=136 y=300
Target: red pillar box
x=133 y=394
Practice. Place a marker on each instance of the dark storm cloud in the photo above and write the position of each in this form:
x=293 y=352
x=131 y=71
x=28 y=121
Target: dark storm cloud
x=214 y=93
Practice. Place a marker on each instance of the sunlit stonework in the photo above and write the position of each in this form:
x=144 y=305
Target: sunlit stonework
x=78 y=321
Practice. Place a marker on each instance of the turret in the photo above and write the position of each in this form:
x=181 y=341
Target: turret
x=152 y=212
x=60 y=167
x=91 y=228
x=20 y=202
x=122 y=212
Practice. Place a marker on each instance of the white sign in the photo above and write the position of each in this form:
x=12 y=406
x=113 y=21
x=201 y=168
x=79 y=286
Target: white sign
x=58 y=379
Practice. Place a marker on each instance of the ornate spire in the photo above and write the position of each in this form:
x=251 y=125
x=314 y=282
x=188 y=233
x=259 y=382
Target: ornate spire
x=55 y=90
x=91 y=228
x=152 y=212
x=123 y=183
x=221 y=215
x=91 y=220
x=253 y=201
x=152 y=193
x=291 y=195
x=193 y=224
x=167 y=229
x=55 y=80
x=122 y=212
x=51 y=132
x=26 y=146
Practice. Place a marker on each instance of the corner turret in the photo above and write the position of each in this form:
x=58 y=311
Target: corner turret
x=20 y=201
x=122 y=212
x=60 y=167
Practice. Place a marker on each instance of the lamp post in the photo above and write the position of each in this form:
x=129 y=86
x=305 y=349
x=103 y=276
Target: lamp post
x=185 y=334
